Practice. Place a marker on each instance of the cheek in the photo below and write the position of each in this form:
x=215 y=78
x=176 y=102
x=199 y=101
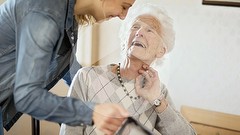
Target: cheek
x=113 y=10
x=155 y=42
x=154 y=46
x=130 y=39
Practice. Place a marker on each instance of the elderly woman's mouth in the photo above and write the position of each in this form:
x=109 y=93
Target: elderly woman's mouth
x=139 y=44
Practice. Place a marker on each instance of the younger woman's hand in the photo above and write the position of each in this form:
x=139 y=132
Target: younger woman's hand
x=108 y=117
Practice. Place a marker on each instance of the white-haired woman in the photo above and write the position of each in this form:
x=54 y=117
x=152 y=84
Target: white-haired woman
x=148 y=35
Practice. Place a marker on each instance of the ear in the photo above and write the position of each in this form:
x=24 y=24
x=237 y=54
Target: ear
x=161 y=52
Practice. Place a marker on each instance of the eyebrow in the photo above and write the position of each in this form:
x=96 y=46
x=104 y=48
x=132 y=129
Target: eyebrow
x=136 y=22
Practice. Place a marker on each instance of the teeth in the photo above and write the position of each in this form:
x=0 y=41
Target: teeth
x=138 y=44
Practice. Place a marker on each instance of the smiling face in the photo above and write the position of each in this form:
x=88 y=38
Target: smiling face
x=144 y=42
x=113 y=8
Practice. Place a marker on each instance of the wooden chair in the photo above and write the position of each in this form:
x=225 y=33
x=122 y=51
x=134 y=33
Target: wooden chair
x=207 y=122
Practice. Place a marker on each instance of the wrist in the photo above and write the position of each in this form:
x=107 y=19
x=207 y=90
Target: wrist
x=157 y=100
x=163 y=106
x=160 y=103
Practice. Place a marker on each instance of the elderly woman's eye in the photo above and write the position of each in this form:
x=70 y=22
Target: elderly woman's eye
x=135 y=27
x=149 y=30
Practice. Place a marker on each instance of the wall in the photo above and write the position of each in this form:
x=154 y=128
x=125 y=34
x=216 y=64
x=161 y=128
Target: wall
x=98 y=44
x=205 y=64
x=1 y=1
x=203 y=70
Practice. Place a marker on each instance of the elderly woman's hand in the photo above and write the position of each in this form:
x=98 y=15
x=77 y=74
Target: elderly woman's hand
x=148 y=84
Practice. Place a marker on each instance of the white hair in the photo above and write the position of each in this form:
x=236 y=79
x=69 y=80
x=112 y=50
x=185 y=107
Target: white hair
x=167 y=33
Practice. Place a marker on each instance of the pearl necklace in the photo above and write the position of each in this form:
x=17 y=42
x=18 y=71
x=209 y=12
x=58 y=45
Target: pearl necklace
x=122 y=84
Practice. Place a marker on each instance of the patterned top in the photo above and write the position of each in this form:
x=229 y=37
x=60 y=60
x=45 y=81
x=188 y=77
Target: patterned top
x=100 y=85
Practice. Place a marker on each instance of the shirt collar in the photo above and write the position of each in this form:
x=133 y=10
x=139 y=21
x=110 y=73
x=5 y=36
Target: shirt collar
x=70 y=14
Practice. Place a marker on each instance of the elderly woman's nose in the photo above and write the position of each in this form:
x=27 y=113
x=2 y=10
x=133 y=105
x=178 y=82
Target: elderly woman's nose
x=139 y=33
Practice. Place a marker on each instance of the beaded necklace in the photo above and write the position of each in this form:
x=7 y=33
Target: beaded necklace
x=122 y=84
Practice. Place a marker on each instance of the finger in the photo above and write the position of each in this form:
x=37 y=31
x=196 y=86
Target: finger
x=152 y=72
x=145 y=66
x=107 y=132
x=123 y=112
x=112 y=125
x=111 y=129
x=147 y=75
x=140 y=71
x=115 y=121
x=140 y=83
x=149 y=72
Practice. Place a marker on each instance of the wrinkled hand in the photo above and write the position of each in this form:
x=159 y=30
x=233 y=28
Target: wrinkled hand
x=148 y=84
x=109 y=117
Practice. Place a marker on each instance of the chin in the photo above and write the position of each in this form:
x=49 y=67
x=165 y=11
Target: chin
x=101 y=20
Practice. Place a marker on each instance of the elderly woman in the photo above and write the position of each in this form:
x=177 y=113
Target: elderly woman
x=148 y=35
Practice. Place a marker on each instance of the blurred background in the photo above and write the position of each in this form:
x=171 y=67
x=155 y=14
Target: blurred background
x=203 y=70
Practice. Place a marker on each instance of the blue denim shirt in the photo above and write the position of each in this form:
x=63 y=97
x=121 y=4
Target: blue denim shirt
x=35 y=52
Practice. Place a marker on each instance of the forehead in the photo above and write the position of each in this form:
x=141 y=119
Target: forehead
x=149 y=20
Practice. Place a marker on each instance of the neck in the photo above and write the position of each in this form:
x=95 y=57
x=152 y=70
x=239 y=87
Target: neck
x=130 y=68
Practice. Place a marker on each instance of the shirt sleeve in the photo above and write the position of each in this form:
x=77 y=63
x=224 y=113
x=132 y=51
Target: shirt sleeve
x=171 y=122
x=37 y=35
x=78 y=89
